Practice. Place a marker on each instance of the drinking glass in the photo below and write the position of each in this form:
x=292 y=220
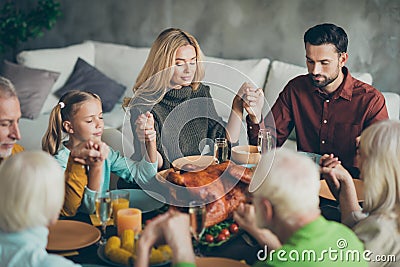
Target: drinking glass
x=264 y=141
x=103 y=212
x=220 y=150
x=197 y=213
x=120 y=200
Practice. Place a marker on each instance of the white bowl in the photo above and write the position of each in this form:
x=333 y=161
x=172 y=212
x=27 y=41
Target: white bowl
x=245 y=154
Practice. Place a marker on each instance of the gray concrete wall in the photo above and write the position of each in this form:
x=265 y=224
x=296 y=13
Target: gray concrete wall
x=241 y=29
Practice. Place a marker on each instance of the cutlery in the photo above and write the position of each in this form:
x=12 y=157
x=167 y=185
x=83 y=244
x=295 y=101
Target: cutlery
x=249 y=240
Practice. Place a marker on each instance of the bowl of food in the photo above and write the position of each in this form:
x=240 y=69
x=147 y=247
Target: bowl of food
x=245 y=155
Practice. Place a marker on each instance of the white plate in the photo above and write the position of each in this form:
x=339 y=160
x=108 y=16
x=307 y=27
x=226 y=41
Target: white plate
x=71 y=235
x=198 y=160
x=145 y=201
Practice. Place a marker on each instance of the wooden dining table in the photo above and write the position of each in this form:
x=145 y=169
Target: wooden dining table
x=237 y=247
x=240 y=247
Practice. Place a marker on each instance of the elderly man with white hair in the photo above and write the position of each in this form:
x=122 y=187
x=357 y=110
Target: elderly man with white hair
x=10 y=113
x=286 y=221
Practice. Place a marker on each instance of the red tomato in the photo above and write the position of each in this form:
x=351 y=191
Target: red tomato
x=221 y=237
x=234 y=228
x=225 y=232
x=209 y=238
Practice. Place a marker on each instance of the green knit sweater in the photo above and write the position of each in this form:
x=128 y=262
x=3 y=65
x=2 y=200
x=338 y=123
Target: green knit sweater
x=185 y=121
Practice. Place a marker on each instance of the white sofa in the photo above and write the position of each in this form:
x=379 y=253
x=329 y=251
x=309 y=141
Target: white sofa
x=123 y=63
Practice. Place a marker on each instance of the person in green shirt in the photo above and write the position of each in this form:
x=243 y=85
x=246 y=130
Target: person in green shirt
x=285 y=220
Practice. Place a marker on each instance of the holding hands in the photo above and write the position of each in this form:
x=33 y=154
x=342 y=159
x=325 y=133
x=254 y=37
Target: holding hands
x=90 y=153
x=251 y=99
x=145 y=127
x=172 y=228
x=340 y=183
x=147 y=136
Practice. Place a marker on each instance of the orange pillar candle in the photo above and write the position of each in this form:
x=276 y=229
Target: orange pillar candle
x=129 y=219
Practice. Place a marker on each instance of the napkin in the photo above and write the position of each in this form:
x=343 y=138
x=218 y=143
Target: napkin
x=96 y=222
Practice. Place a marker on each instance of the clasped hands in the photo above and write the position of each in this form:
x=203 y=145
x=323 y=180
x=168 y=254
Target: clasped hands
x=92 y=152
x=172 y=228
x=251 y=99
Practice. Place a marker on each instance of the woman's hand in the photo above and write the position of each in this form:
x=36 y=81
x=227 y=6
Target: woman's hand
x=147 y=134
x=334 y=174
x=145 y=127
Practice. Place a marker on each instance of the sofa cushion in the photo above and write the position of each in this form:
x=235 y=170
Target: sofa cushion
x=120 y=62
x=87 y=78
x=32 y=86
x=392 y=104
x=61 y=60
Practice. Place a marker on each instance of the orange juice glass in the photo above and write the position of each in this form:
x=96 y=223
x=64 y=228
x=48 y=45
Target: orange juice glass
x=120 y=200
x=130 y=218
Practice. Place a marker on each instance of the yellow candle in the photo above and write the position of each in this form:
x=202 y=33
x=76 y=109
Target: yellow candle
x=118 y=204
x=129 y=219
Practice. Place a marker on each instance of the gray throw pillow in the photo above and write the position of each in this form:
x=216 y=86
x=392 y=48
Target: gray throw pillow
x=32 y=86
x=87 y=78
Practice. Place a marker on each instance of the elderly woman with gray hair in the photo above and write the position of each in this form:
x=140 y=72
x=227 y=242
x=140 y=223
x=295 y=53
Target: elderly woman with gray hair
x=31 y=196
x=377 y=224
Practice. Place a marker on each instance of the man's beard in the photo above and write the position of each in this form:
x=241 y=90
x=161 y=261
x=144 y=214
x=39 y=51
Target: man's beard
x=326 y=80
x=5 y=154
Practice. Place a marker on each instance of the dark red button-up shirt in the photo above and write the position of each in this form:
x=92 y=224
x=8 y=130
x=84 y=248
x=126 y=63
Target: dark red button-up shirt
x=324 y=123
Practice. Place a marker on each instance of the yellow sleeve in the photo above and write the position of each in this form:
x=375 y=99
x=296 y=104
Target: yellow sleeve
x=75 y=182
x=16 y=149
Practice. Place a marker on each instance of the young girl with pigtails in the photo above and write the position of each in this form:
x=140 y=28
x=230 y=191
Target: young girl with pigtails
x=87 y=161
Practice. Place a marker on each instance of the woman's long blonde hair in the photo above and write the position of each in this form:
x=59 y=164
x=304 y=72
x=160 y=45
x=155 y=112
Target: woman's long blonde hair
x=380 y=168
x=66 y=108
x=155 y=77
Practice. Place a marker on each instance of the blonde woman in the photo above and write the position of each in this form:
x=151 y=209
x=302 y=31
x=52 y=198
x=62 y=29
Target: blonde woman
x=377 y=224
x=31 y=196
x=169 y=85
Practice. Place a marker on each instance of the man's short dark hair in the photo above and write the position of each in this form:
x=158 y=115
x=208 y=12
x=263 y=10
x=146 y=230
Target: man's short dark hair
x=327 y=34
